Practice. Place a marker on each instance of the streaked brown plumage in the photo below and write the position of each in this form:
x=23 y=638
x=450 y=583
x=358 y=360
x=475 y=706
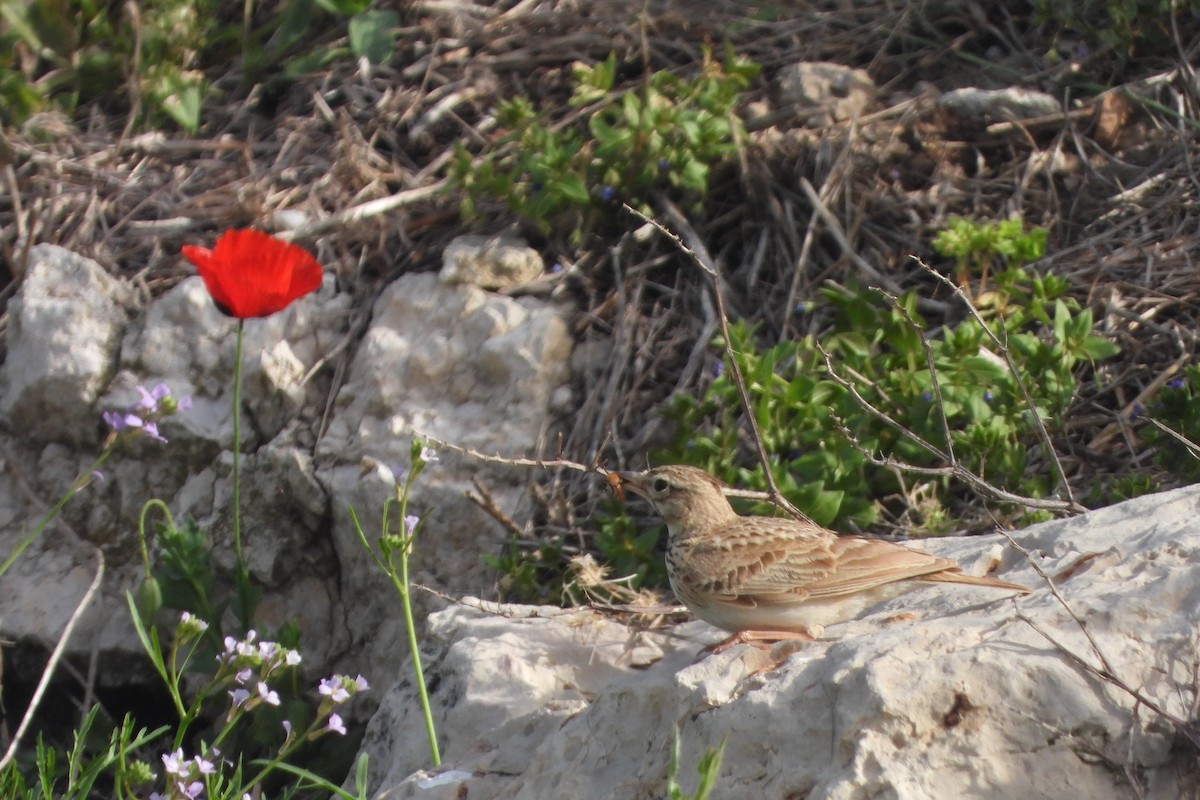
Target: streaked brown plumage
x=770 y=578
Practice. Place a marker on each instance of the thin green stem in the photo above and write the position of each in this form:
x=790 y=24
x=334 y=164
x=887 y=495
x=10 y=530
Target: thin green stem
x=403 y=587
x=153 y=503
x=400 y=581
x=84 y=479
x=237 y=446
x=289 y=748
x=245 y=598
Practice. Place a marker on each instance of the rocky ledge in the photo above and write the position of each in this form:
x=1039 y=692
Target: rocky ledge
x=948 y=691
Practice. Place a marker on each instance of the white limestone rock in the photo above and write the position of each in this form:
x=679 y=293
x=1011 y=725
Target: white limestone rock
x=943 y=692
x=64 y=334
x=822 y=92
x=982 y=106
x=185 y=342
x=452 y=362
x=490 y=262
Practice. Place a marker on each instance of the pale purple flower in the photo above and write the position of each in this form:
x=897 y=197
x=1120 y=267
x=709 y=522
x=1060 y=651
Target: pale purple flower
x=204 y=766
x=410 y=523
x=243 y=675
x=173 y=762
x=246 y=647
x=267 y=694
x=152 y=397
x=151 y=430
x=361 y=683
x=122 y=420
x=190 y=619
x=239 y=697
x=334 y=689
x=292 y=658
x=428 y=455
x=336 y=725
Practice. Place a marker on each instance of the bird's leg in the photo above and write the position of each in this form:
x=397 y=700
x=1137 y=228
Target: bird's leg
x=762 y=639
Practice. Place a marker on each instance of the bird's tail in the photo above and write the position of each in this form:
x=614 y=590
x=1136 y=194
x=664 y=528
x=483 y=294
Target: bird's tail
x=954 y=576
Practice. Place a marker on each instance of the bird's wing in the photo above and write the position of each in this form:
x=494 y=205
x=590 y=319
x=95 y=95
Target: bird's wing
x=782 y=561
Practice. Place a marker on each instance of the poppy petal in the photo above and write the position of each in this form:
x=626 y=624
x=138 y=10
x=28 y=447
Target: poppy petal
x=251 y=274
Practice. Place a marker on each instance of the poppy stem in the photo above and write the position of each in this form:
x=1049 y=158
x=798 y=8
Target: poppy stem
x=243 y=577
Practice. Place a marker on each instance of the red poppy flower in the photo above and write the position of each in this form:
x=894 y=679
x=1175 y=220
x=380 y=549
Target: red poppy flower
x=250 y=274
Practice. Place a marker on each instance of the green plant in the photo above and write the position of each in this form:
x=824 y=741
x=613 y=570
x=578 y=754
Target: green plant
x=529 y=575
x=976 y=245
x=661 y=136
x=1129 y=27
x=708 y=768
x=67 y=53
x=876 y=345
x=76 y=51
x=1177 y=407
x=630 y=550
x=76 y=775
x=392 y=557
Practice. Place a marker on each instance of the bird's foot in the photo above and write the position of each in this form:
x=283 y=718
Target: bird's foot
x=762 y=640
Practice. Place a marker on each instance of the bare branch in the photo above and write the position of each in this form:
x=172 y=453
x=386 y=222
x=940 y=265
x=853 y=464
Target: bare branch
x=1047 y=445
x=55 y=656
x=696 y=250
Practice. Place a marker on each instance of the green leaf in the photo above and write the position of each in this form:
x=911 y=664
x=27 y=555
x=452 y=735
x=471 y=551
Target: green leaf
x=373 y=35
x=824 y=506
x=982 y=370
x=572 y=187
x=1098 y=348
x=311 y=61
x=179 y=95
x=694 y=176
x=631 y=107
x=344 y=8
x=1062 y=315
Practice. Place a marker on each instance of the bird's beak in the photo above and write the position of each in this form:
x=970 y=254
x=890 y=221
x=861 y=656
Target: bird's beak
x=633 y=482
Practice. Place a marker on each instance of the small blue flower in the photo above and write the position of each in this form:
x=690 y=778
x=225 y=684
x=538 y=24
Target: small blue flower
x=718 y=369
x=803 y=307
x=1176 y=383
x=557 y=268
x=607 y=193
x=987 y=395
x=1135 y=412
x=664 y=165
x=927 y=396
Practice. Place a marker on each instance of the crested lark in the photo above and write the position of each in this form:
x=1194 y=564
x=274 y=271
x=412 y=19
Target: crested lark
x=769 y=578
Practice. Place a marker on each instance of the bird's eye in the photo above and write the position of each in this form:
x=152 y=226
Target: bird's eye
x=661 y=485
